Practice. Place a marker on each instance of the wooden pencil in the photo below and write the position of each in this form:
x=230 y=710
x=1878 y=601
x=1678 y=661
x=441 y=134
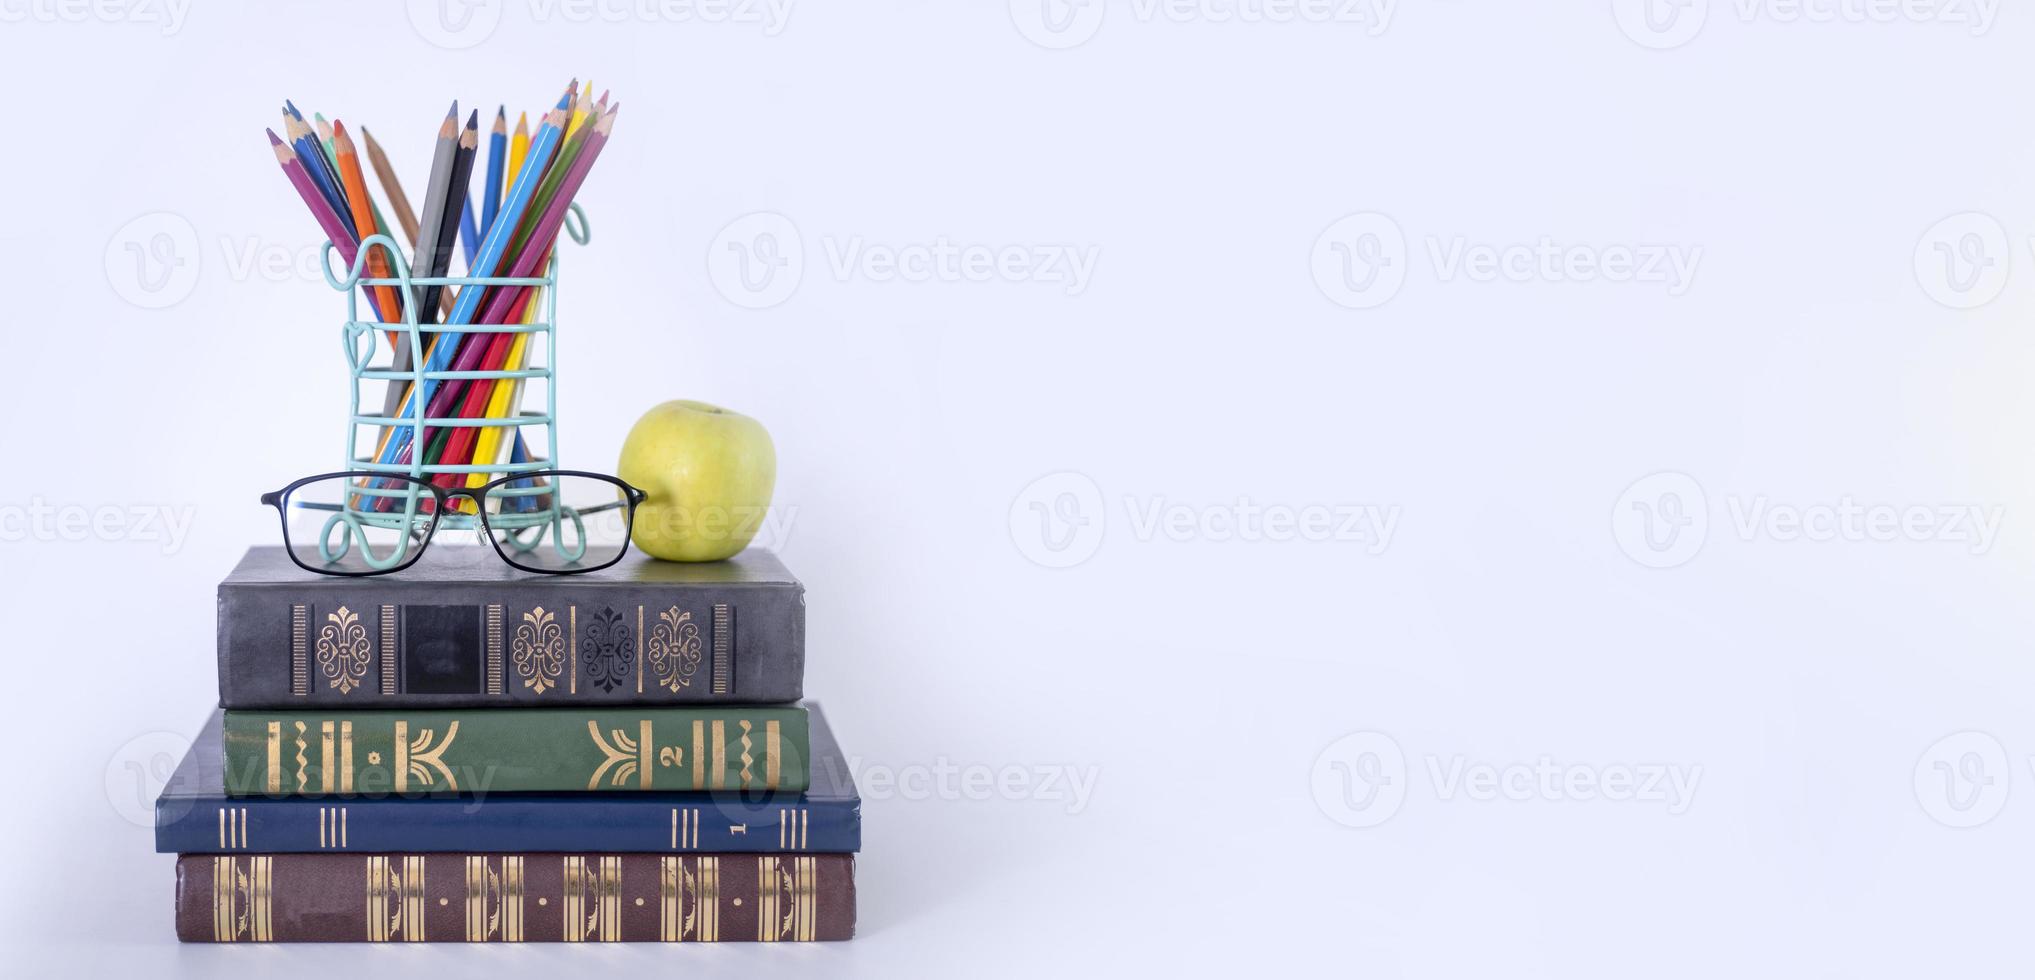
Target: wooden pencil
x=406 y=215
x=542 y=145
x=507 y=304
x=347 y=160
x=498 y=149
x=432 y=216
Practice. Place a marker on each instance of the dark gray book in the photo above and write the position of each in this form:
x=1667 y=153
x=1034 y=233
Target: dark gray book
x=461 y=628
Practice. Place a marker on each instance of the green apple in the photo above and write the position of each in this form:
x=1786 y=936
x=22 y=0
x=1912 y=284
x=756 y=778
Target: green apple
x=709 y=473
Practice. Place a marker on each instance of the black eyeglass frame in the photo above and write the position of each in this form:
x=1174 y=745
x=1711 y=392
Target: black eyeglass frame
x=443 y=498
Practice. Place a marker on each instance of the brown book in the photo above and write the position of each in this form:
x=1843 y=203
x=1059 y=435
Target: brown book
x=310 y=898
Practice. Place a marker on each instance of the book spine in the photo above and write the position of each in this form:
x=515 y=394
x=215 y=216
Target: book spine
x=515 y=898
x=387 y=642
x=647 y=823
x=414 y=753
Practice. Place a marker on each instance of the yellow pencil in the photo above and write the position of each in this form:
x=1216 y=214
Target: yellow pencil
x=519 y=146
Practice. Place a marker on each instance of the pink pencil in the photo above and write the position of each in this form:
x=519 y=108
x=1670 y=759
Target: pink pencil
x=327 y=218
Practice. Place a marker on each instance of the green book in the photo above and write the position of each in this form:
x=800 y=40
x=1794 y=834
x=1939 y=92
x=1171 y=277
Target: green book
x=415 y=753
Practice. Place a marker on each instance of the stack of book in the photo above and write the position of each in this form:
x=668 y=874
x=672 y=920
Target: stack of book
x=466 y=752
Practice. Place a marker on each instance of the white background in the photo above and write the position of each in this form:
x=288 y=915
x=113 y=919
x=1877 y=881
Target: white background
x=1836 y=349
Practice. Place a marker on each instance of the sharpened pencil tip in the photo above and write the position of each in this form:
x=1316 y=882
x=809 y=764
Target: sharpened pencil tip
x=273 y=138
x=473 y=120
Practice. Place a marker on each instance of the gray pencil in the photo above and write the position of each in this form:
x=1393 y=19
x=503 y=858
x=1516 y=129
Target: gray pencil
x=424 y=259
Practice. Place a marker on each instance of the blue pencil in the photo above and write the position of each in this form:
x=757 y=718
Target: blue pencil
x=498 y=154
x=304 y=142
x=469 y=234
x=486 y=258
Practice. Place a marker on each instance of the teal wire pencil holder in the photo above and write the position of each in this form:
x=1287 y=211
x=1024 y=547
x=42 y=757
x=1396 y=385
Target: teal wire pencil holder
x=362 y=338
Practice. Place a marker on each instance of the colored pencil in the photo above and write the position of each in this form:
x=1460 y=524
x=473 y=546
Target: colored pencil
x=506 y=303
x=405 y=214
x=348 y=162
x=519 y=147
x=328 y=219
x=431 y=219
x=498 y=150
x=305 y=142
x=542 y=145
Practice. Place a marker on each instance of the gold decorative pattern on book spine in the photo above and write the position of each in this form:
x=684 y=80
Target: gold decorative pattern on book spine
x=275 y=757
x=388 y=624
x=699 y=745
x=233 y=828
x=639 y=649
x=685 y=828
x=717 y=773
x=572 y=899
x=724 y=645
x=343 y=650
x=494 y=898
x=332 y=827
x=416 y=758
x=300 y=664
x=346 y=757
x=537 y=650
x=243 y=902
x=773 y=753
x=327 y=751
x=792 y=826
x=572 y=651
x=747 y=759
x=494 y=653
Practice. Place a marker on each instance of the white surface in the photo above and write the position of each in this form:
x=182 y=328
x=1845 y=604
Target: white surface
x=1812 y=353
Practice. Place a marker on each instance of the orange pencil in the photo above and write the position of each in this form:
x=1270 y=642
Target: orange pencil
x=348 y=161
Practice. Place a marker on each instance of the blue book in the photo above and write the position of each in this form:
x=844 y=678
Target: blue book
x=195 y=816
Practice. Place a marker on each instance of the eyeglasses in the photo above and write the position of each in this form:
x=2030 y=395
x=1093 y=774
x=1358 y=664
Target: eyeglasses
x=558 y=522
